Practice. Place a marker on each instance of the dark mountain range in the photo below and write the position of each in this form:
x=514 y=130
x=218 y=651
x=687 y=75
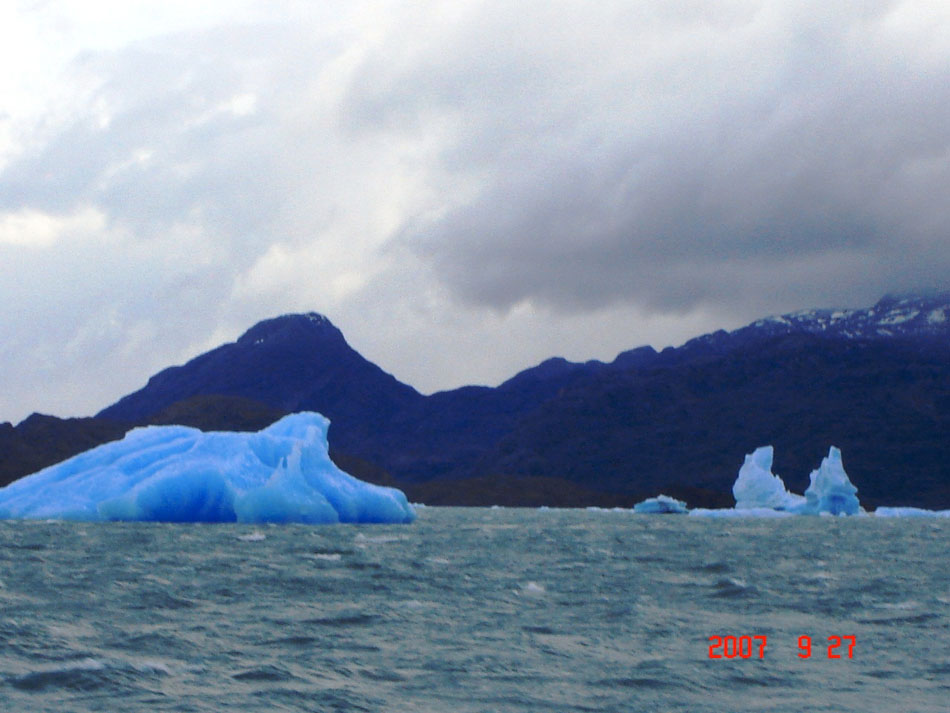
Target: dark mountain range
x=40 y=440
x=875 y=382
x=886 y=404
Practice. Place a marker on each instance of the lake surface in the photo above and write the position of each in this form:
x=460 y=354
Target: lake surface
x=477 y=610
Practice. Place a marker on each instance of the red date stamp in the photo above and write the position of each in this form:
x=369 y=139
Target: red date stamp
x=747 y=647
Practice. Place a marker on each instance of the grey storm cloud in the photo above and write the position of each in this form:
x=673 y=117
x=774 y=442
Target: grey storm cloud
x=672 y=159
x=531 y=173
x=155 y=139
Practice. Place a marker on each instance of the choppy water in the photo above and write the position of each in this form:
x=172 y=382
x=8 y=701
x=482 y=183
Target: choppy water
x=474 y=610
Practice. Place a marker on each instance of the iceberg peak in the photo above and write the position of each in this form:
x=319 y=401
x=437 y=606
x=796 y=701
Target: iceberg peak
x=758 y=487
x=830 y=489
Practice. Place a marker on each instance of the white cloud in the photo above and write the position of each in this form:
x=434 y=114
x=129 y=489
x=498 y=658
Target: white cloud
x=34 y=229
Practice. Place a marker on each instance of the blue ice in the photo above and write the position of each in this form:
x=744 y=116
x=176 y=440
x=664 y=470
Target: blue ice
x=281 y=474
x=757 y=487
x=830 y=490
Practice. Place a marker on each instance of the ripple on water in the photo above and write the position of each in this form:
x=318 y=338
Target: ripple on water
x=730 y=587
x=470 y=610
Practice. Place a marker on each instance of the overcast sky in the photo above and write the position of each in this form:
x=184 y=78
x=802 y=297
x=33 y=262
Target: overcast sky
x=464 y=188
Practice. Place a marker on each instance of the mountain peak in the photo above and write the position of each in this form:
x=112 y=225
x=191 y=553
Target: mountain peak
x=290 y=327
x=295 y=362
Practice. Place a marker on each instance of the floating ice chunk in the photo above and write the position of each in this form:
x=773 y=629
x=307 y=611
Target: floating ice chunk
x=758 y=487
x=830 y=490
x=661 y=504
x=910 y=512
x=736 y=512
x=253 y=537
x=531 y=589
x=179 y=474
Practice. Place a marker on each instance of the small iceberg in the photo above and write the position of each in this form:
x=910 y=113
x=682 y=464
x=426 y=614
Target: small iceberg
x=661 y=505
x=761 y=493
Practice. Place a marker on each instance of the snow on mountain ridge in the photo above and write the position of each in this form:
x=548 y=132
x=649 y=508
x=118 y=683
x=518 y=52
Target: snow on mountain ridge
x=905 y=315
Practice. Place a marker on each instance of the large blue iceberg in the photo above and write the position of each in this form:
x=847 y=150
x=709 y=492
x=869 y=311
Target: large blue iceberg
x=281 y=474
